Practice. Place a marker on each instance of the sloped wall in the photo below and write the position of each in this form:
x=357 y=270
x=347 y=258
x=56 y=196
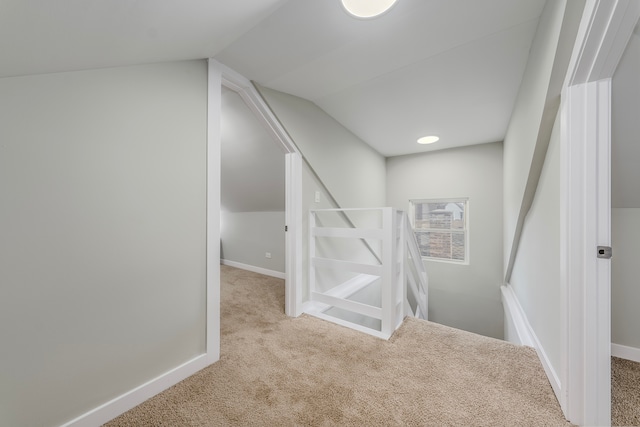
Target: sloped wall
x=536 y=273
x=353 y=172
x=340 y=168
x=532 y=180
x=533 y=117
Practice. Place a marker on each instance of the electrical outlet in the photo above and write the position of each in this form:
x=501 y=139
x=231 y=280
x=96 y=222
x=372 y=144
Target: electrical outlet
x=267 y=254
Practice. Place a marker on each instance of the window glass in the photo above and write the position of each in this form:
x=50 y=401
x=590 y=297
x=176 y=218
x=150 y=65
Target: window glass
x=441 y=228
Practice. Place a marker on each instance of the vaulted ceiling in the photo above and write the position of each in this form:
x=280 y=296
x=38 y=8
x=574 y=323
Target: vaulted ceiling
x=44 y=36
x=445 y=67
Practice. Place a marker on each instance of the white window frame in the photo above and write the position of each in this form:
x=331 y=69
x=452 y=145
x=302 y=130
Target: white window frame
x=465 y=230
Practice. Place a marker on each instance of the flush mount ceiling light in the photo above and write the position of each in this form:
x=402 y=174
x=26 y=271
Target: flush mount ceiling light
x=428 y=140
x=367 y=8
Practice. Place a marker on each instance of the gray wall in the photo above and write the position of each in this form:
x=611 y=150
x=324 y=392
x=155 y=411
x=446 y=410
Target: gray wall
x=625 y=128
x=247 y=236
x=532 y=177
x=625 y=197
x=252 y=163
x=530 y=132
x=534 y=113
x=461 y=296
x=352 y=172
x=625 y=286
x=536 y=273
x=102 y=235
x=252 y=188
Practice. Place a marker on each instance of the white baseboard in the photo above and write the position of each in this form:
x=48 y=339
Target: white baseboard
x=624 y=352
x=517 y=329
x=316 y=309
x=258 y=270
x=519 y=326
x=131 y=399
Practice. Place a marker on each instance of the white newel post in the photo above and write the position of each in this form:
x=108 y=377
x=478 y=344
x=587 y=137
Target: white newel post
x=387 y=296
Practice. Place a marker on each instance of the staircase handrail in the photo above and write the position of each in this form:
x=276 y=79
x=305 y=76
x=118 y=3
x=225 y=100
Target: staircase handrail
x=422 y=279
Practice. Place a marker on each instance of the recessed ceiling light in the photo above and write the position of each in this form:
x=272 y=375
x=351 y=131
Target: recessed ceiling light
x=428 y=140
x=367 y=8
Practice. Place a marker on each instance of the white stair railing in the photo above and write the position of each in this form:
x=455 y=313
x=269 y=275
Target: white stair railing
x=369 y=293
x=416 y=278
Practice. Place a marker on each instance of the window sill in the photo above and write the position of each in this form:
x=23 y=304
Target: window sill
x=446 y=261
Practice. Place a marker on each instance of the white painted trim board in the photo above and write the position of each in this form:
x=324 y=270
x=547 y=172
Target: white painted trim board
x=133 y=398
x=527 y=335
x=604 y=31
x=293 y=242
x=255 y=269
x=345 y=323
x=214 y=111
x=625 y=352
x=293 y=180
x=513 y=310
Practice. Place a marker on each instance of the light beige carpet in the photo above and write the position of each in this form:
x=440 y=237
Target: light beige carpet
x=625 y=392
x=279 y=371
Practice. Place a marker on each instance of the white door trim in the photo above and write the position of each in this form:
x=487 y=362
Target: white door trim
x=293 y=273
x=603 y=35
x=604 y=32
x=293 y=179
x=213 y=215
x=585 y=209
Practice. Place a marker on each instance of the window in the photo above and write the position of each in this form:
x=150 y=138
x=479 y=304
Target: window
x=440 y=227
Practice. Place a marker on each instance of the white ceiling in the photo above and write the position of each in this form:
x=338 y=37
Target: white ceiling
x=449 y=67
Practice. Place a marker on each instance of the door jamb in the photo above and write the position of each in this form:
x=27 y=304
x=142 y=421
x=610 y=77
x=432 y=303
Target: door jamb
x=293 y=181
x=603 y=35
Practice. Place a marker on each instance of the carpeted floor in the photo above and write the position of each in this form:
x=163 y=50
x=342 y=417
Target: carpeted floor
x=625 y=392
x=279 y=371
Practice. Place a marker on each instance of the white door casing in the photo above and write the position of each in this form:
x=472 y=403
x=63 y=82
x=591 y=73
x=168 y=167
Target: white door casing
x=585 y=224
x=293 y=179
x=585 y=202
